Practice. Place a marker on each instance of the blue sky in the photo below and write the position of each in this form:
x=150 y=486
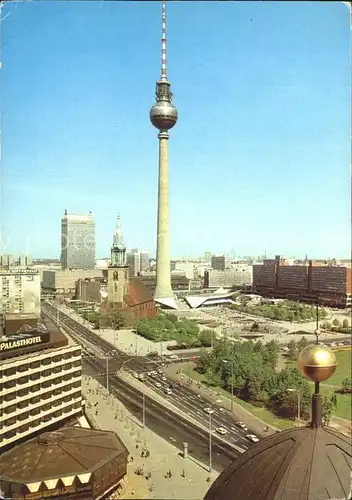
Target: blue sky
x=259 y=158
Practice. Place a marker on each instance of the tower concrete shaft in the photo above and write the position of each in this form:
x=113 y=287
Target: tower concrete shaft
x=163 y=288
x=163 y=116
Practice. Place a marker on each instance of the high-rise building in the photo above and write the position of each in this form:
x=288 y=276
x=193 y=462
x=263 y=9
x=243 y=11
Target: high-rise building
x=219 y=262
x=7 y=260
x=77 y=241
x=207 y=256
x=118 y=276
x=20 y=291
x=134 y=263
x=138 y=261
x=144 y=260
x=40 y=371
x=163 y=116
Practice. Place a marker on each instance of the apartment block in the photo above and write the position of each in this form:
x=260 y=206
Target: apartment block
x=20 y=291
x=330 y=285
x=236 y=276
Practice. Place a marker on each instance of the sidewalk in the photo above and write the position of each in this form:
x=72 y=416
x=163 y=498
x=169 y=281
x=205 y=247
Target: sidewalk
x=124 y=339
x=163 y=457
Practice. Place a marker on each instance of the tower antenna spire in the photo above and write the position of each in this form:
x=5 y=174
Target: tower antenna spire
x=163 y=40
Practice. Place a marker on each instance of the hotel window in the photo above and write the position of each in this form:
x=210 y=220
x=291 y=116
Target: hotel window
x=10 y=397
x=34 y=365
x=9 y=371
x=23 y=392
x=10 y=409
x=9 y=384
x=34 y=376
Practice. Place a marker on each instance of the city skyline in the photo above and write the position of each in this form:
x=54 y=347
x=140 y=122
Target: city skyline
x=261 y=146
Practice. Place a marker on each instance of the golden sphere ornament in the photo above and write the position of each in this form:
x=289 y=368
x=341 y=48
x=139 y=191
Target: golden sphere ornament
x=317 y=362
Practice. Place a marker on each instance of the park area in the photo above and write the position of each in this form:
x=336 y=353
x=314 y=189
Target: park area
x=185 y=332
x=281 y=414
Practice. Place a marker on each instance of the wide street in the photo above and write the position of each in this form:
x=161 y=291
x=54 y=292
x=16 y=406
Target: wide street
x=157 y=416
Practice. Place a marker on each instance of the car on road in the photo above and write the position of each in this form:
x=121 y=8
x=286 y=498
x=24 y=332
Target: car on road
x=221 y=430
x=151 y=373
x=141 y=376
x=242 y=425
x=163 y=378
x=253 y=438
x=168 y=391
x=136 y=375
x=222 y=409
x=157 y=384
x=209 y=411
x=160 y=371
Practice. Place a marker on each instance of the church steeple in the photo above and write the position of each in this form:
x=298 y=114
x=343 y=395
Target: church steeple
x=118 y=249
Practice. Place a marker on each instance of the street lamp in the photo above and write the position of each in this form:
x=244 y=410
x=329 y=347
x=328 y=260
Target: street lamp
x=231 y=363
x=298 y=402
x=210 y=444
x=143 y=405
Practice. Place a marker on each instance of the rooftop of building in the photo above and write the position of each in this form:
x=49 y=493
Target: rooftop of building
x=18 y=270
x=301 y=463
x=51 y=338
x=67 y=453
x=138 y=293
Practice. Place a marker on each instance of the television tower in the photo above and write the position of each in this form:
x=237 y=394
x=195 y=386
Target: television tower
x=163 y=116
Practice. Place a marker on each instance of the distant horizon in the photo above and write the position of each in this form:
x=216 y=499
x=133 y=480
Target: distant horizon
x=151 y=257
x=259 y=159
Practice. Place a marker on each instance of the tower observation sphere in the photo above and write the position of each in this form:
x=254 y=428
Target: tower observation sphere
x=163 y=115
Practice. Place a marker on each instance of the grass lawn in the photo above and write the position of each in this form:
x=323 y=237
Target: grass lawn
x=343 y=369
x=262 y=413
x=344 y=401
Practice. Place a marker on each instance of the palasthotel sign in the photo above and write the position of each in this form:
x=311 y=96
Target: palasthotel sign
x=9 y=345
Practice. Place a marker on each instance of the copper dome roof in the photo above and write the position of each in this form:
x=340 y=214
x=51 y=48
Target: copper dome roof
x=298 y=464
x=68 y=452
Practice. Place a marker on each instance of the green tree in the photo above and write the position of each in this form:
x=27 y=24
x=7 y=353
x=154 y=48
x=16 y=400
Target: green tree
x=213 y=378
x=301 y=344
x=328 y=408
x=117 y=321
x=347 y=385
x=289 y=315
x=336 y=322
x=270 y=353
x=292 y=350
x=297 y=316
x=206 y=337
x=345 y=323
